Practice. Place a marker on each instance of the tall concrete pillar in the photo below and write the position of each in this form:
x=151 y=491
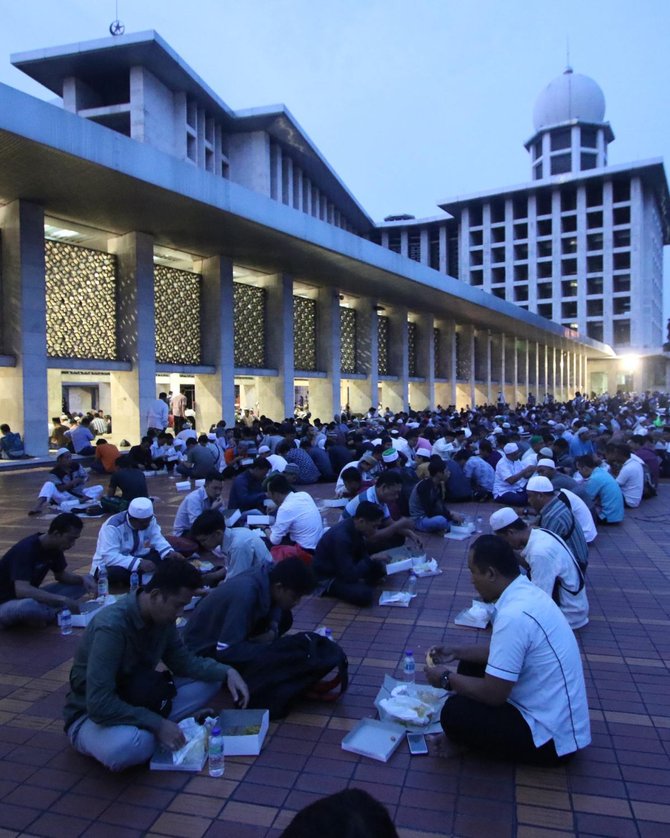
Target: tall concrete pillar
x=55 y=392
x=396 y=393
x=215 y=392
x=425 y=364
x=276 y=395
x=515 y=373
x=324 y=393
x=363 y=391
x=132 y=392
x=451 y=362
x=23 y=395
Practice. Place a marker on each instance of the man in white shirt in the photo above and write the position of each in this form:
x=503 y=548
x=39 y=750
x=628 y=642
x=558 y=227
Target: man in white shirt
x=195 y=503
x=511 y=477
x=549 y=562
x=157 y=414
x=523 y=697
x=298 y=525
x=631 y=474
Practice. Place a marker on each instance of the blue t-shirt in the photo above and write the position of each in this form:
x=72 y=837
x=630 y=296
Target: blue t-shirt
x=603 y=488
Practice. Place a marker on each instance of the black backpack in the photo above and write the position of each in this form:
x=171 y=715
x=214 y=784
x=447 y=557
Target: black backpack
x=291 y=668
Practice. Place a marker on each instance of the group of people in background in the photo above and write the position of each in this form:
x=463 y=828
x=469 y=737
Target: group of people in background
x=558 y=473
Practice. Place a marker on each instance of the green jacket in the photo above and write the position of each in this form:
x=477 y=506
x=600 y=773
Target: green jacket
x=118 y=642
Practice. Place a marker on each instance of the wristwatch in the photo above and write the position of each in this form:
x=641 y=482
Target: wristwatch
x=444 y=681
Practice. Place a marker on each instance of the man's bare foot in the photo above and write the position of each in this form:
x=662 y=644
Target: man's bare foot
x=440 y=746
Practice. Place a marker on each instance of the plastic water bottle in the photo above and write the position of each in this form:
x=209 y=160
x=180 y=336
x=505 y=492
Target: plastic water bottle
x=479 y=524
x=216 y=755
x=134 y=581
x=328 y=633
x=411 y=585
x=65 y=622
x=409 y=668
x=103 y=583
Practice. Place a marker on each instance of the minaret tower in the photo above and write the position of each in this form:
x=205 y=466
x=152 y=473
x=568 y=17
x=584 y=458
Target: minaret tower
x=571 y=134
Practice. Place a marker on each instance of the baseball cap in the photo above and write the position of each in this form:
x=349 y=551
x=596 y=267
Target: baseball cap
x=537 y=483
x=141 y=508
x=510 y=448
x=502 y=518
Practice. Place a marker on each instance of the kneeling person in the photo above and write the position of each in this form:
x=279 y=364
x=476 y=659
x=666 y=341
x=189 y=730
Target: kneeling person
x=112 y=712
x=253 y=606
x=341 y=558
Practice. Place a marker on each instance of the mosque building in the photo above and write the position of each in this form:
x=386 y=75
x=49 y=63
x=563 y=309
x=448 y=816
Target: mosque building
x=152 y=238
x=581 y=244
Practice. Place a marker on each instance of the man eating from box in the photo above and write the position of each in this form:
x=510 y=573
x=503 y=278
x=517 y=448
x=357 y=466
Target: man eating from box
x=522 y=697
x=119 y=707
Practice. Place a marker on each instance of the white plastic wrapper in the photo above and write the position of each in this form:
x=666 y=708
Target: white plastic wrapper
x=196 y=743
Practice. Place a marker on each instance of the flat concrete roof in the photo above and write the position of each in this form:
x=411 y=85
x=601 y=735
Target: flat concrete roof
x=83 y=172
x=110 y=59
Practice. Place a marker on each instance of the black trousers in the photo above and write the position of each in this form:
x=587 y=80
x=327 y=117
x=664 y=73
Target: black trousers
x=361 y=592
x=500 y=732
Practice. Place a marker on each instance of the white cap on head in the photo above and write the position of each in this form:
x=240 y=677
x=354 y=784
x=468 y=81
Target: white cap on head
x=390 y=455
x=547 y=463
x=62 y=451
x=502 y=518
x=141 y=508
x=510 y=448
x=537 y=483
x=546 y=452
x=582 y=431
x=264 y=449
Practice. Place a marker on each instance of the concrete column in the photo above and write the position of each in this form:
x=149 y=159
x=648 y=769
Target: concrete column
x=54 y=392
x=561 y=374
x=215 y=392
x=363 y=392
x=503 y=367
x=451 y=361
x=526 y=371
x=488 y=366
x=23 y=396
x=396 y=393
x=515 y=373
x=425 y=365
x=276 y=395
x=131 y=392
x=324 y=393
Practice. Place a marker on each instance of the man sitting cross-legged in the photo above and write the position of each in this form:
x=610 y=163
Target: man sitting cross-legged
x=118 y=707
x=298 y=526
x=342 y=561
x=522 y=697
x=24 y=567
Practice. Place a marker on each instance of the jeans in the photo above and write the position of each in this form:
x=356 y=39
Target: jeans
x=119 y=747
x=30 y=612
x=434 y=523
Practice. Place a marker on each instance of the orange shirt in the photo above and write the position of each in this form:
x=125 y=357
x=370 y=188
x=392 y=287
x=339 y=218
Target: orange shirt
x=107 y=454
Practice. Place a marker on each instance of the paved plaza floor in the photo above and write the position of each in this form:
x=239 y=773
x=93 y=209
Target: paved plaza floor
x=620 y=786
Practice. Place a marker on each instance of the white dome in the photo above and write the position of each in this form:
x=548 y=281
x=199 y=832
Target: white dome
x=569 y=96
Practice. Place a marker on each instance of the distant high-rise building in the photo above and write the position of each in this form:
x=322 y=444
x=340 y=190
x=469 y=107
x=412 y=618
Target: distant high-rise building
x=580 y=244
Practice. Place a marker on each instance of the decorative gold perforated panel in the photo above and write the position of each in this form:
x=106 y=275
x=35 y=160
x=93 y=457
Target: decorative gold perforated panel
x=437 y=358
x=411 y=349
x=304 y=334
x=382 y=345
x=177 y=316
x=80 y=302
x=249 y=328
x=348 y=340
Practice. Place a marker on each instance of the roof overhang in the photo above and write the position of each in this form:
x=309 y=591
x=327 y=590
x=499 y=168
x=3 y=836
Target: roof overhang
x=83 y=172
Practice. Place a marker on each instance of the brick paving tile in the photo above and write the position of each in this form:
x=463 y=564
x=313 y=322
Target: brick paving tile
x=55 y=826
x=619 y=786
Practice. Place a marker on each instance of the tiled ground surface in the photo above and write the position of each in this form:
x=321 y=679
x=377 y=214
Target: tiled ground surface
x=620 y=786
